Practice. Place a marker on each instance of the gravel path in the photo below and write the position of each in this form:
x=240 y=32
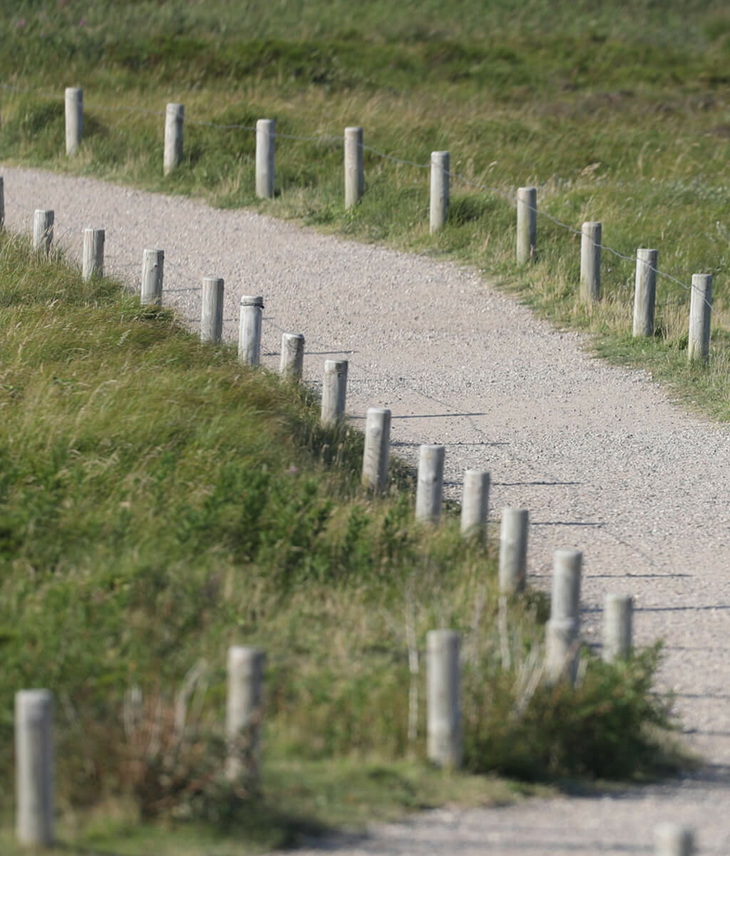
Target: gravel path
x=604 y=461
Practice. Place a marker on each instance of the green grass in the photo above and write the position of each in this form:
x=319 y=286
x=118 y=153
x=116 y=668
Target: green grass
x=158 y=502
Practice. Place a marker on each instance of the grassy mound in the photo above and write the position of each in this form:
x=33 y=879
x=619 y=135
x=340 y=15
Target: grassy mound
x=158 y=503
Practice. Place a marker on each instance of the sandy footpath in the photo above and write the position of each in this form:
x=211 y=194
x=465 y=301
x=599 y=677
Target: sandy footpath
x=603 y=460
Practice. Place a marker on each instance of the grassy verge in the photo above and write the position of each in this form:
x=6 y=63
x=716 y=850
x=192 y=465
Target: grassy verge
x=158 y=502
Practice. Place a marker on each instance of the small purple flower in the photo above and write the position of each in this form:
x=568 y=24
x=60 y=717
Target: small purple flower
x=82 y=23
x=293 y=470
x=21 y=23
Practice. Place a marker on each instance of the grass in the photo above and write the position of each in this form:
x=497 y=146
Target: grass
x=158 y=502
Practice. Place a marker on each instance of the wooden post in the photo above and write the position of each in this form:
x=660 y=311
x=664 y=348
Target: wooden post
x=354 y=166
x=34 y=768
x=211 y=311
x=174 y=117
x=244 y=711
x=700 y=310
x=376 y=452
x=93 y=255
x=265 y=149
x=249 y=330
x=475 y=504
x=153 y=270
x=291 y=364
x=440 y=168
x=645 y=292
x=443 y=705
x=590 y=262
x=43 y=230
x=617 y=615
x=430 y=487
x=334 y=391
x=673 y=840
x=526 y=225
x=2 y=203
x=513 y=551
x=74 y=119
x=563 y=627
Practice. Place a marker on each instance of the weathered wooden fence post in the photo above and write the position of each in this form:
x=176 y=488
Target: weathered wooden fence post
x=334 y=391
x=265 y=153
x=354 y=166
x=475 y=504
x=153 y=270
x=617 y=615
x=92 y=264
x=74 y=108
x=211 y=311
x=526 y=225
x=590 y=262
x=513 y=551
x=673 y=840
x=645 y=292
x=34 y=767
x=291 y=364
x=430 y=487
x=43 y=230
x=249 y=330
x=174 y=118
x=700 y=310
x=563 y=627
x=443 y=701
x=244 y=711
x=376 y=452
x=440 y=168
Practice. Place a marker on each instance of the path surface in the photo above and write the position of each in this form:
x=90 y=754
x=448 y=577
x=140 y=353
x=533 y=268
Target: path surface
x=602 y=459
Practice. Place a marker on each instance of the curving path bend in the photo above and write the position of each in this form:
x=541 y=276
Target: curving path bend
x=603 y=460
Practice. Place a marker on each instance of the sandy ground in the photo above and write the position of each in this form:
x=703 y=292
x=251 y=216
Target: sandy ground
x=603 y=460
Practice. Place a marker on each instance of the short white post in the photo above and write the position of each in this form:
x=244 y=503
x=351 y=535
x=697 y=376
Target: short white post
x=617 y=616
x=563 y=627
x=249 y=330
x=43 y=230
x=291 y=364
x=590 y=262
x=700 y=310
x=513 y=551
x=334 y=391
x=376 y=452
x=475 y=504
x=174 y=118
x=673 y=840
x=74 y=119
x=354 y=166
x=34 y=768
x=244 y=711
x=440 y=168
x=2 y=202
x=93 y=254
x=443 y=703
x=645 y=292
x=430 y=487
x=153 y=270
x=211 y=311
x=526 y=225
x=265 y=149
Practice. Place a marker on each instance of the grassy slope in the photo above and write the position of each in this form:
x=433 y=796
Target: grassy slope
x=108 y=528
